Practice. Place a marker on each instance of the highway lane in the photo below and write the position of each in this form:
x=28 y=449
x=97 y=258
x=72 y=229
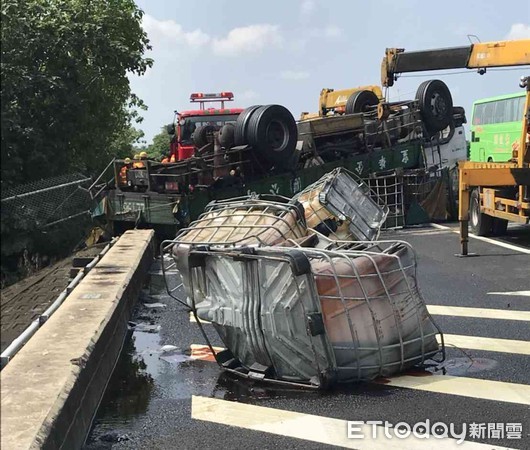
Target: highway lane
x=158 y=400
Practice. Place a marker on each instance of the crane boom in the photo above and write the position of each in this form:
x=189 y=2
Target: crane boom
x=501 y=191
x=476 y=56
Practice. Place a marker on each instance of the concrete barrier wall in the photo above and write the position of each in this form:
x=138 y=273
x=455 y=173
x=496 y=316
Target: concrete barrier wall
x=51 y=389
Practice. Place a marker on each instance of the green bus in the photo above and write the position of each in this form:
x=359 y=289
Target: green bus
x=495 y=126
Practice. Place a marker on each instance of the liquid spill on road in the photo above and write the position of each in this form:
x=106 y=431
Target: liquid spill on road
x=127 y=395
x=151 y=369
x=463 y=366
x=161 y=367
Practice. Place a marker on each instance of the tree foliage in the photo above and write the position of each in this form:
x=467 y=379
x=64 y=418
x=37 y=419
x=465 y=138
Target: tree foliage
x=159 y=148
x=66 y=104
x=66 y=99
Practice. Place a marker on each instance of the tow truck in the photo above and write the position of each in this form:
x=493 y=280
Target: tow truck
x=213 y=153
x=490 y=194
x=191 y=128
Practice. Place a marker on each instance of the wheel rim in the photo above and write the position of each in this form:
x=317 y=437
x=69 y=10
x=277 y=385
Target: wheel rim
x=365 y=106
x=276 y=135
x=438 y=106
x=474 y=213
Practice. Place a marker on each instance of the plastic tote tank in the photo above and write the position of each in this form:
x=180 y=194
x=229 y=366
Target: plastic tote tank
x=252 y=220
x=313 y=316
x=342 y=208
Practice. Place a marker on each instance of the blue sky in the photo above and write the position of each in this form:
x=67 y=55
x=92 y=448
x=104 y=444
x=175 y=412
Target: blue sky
x=286 y=51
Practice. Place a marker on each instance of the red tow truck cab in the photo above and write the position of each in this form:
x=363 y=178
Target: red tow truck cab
x=182 y=145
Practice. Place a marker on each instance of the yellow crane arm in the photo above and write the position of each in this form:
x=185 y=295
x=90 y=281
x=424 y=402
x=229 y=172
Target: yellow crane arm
x=476 y=56
x=335 y=100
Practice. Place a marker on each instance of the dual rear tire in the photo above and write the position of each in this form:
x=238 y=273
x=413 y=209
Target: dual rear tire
x=271 y=131
x=481 y=224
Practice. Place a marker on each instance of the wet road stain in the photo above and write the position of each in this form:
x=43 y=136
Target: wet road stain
x=463 y=366
x=153 y=371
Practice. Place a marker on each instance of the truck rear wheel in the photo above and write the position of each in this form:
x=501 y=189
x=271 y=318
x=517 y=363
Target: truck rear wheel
x=240 y=131
x=202 y=135
x=479 y=222
x=272 y=133
x=360 y=102
x=435 y=104
x=226 y=135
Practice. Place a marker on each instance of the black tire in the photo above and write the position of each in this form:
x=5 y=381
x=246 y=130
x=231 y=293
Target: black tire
x=202 y=135
x=479 y=223
x=360 y=102
x=226 y=135
x=436 y=105
x=499 y=226
x=273 y=134
x=240 y=130
x=459 y=115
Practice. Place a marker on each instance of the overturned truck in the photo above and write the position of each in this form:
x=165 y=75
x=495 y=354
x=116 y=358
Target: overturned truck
x=264 y=150
x=300 y=291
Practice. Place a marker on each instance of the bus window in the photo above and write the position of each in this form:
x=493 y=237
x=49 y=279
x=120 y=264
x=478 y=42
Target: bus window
x=519 y=108
x=489 y=113
x=509 y=112
x=500 y=108
x=478 y=114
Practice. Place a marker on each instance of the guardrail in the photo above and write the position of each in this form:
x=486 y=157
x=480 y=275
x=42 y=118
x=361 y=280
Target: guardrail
x=24 y=337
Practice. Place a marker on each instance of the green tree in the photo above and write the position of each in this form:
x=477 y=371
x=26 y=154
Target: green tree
x=66 y=103
x=159 y=148
x=127 y=142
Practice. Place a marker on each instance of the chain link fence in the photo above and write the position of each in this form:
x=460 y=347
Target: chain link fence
x=42 y=221
x=47 y=202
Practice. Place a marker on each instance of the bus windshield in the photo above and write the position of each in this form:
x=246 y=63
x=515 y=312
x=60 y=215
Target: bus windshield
x=496 y=127
x=189 y=124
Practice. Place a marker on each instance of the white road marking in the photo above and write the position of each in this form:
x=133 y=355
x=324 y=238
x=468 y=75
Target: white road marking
x=461 y=311
x=498 y=391
x=488 y=344
x=516 y=293
x=468 y=387
x=423 y=232
x=192 y=319
x=485 y=239
x=324 y=430
x=482 y=313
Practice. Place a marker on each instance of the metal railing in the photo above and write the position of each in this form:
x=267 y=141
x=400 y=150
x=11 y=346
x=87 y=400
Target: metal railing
x=25 y=336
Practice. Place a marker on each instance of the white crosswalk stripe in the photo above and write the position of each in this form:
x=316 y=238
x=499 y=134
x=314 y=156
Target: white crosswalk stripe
x=193 y=320
x=325 y=430
x=480 y=392
x=459 y=311
x=514 y=293
x=488 y=344
x=481 y=313
x=466 y=387
x=332 y=431
x=485 y=239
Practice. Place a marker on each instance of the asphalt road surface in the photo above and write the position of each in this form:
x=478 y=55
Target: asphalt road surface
x=180 y=399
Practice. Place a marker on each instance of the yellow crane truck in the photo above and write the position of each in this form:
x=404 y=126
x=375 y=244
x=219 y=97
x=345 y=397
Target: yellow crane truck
x=490 y=193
